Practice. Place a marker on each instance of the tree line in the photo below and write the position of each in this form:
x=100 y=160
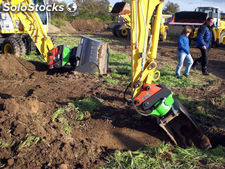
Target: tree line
x=98 y=10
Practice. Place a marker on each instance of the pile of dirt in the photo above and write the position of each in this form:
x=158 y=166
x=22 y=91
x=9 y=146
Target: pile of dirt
x=12 y=67
x=67 y=28
x=88 y=25
x=53 y=29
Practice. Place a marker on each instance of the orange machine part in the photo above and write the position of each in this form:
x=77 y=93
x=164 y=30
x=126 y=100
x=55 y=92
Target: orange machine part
x=52 y=55
x=147 y=91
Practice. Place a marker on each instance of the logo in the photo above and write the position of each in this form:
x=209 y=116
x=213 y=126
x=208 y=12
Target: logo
x=71 y=7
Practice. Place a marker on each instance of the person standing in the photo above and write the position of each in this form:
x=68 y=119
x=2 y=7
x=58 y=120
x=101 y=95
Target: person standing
x=204 y=42
x=183 y=52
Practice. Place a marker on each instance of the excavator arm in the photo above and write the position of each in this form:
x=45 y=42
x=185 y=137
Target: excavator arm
x=33 y=26
x=149 y=98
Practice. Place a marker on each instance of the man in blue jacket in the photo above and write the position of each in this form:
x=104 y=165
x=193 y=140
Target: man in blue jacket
x=204 y=42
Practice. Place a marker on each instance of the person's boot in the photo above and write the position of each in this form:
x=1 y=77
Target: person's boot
x=195 y=65
x=205 y=71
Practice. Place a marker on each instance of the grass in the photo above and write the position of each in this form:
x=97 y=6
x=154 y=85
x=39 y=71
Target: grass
x=87 y=104
x=57 y=113
x=81 y=110
x=164 y=156
x=120 y=66
x=58 y=116
x=33 y=57
x=195 y=79
x=57 y=22
x=69 y=41
x=204 y=107
x=4 y=144
x=12 y=75
x=109 y=39
x=29 y=141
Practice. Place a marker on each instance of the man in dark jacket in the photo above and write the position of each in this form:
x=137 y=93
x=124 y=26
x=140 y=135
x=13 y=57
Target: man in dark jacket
x=204 y=42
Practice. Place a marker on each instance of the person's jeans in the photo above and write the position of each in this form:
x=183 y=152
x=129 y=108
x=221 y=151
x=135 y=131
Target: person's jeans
x=182 y=56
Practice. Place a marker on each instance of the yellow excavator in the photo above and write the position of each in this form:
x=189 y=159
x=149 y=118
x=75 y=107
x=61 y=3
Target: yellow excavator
x=148 y=99
x=16 y=39
x=22 y=28
x=122 y=28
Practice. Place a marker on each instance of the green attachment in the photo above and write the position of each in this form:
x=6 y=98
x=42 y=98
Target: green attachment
x=66 y=55
x=163 y=107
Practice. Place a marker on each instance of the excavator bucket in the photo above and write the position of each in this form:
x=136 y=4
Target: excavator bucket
x=90 y=56
x=173 y=118
x=182 y=129
x=121 y=8
x=189 y=18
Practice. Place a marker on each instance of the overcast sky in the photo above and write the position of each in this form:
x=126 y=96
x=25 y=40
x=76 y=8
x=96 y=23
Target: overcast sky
x=190 y=5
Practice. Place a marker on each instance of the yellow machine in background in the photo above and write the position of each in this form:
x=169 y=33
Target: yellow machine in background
x=19 y=32
x=198 y=17
x=23 y=28
x=122 y=29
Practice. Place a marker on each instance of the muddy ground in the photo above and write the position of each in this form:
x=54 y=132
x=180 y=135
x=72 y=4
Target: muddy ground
x=30 y=94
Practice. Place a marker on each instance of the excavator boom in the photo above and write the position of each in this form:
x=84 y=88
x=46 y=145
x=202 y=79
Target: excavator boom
x=95 y=60
x=33 y=26
x=149 y=98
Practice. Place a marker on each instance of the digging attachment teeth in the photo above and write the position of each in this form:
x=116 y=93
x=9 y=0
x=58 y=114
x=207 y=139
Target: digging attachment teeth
x=182 y=130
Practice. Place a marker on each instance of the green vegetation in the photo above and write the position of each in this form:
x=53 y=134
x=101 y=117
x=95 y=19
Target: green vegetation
x=3 y=144
x=70 y=41
x=12 y=75
x=58 y=22
x=164 y=156
x=195 y=79
x=29 y=141
x=108 y=39
x=6 y=143
x=87 y=104
x=88 y=9
x=33 y=57
x=81 y=110
x=201 y=108
x=120 y=67
x=93 y=9
x=58 y=116
x=171 y=8
x=57 y=113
